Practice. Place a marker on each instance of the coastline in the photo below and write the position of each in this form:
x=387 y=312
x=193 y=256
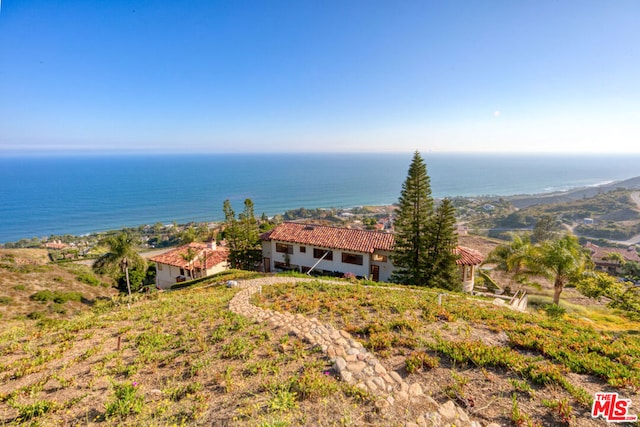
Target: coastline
x=519 y=201
x=79 y=196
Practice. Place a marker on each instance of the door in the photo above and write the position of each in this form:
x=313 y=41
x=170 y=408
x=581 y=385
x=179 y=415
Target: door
x=267 y=265
x=375 y=273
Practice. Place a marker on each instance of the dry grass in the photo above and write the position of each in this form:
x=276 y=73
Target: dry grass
x=24 y=272
x=183 y=358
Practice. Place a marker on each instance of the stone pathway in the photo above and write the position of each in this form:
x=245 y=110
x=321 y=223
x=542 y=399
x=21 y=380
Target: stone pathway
x=351 y=360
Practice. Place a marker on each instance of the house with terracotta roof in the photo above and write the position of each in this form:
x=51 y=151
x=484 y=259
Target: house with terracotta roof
x=338 y=250
x=189 y=262
x=604 y=261
x=328 y=250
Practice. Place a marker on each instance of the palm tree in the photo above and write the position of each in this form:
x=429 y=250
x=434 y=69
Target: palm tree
x=512 y=257
x=190 y=256
x=122 y=256
x=561 y=260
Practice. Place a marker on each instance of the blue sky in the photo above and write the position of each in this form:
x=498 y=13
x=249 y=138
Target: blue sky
x=253 y=76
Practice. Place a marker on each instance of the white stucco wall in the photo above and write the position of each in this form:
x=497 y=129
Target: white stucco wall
x=307 y=260
x=166 y=277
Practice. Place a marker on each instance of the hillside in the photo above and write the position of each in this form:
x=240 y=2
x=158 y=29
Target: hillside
x=573 y=195
x=32 y=287
x=183 y=357
x=613 y=215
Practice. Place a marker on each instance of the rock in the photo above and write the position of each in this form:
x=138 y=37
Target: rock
x=353 y=351
x=345 y=334
x=379 y=369
x=381 y=405
x=334 y=334
x=402 y=395
x=448 y=410
x=389 y=380
x=340 y=364
x=356 y=366
x=346 y=376
x=396 y=377
x=341 y=342
x=430 y=401
x=371 y=386
x=331 y=352
x=415 y=390
x=380 y=383
x=462 y=415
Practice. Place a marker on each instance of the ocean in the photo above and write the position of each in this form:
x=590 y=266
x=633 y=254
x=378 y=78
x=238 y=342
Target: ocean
x=83 y=194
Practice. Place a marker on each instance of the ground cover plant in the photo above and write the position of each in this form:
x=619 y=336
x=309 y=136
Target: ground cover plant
x=183 y=358
x=475 y=353
x=176 y=357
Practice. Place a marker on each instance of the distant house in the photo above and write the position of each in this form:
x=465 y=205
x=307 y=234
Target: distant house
x=338 y=250
x=603 y=260
x=175 y=266
x=56 y=244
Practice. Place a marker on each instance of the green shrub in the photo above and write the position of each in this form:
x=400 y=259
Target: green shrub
x=33 y=410
x=126 y=400
x=58 y=308
x=5 y=300
x=42 y=296
x=19 y=288
x=62 y=297
x=417 y=361
x=314 y=383
x=89 y=279
x=36 y=315
x=554 y=311
x=56 y=296
x=282 y=401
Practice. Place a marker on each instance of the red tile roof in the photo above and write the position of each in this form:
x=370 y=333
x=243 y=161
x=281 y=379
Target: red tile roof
x=349 y=239
x=600 y=254
x=55 y=245
x=468 y=256
x=175 y=257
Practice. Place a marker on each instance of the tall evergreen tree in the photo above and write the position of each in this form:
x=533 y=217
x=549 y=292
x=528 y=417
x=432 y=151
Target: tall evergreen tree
x=415 y=211
x=242 y=236
x=441 y=270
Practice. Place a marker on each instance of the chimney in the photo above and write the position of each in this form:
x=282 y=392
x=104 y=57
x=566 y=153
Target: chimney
x=212 y=244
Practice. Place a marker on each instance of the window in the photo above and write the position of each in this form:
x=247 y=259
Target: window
x=379 y=258
x=303 y=249
x=319 y=253
x=285 y=249
x=348 y=258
